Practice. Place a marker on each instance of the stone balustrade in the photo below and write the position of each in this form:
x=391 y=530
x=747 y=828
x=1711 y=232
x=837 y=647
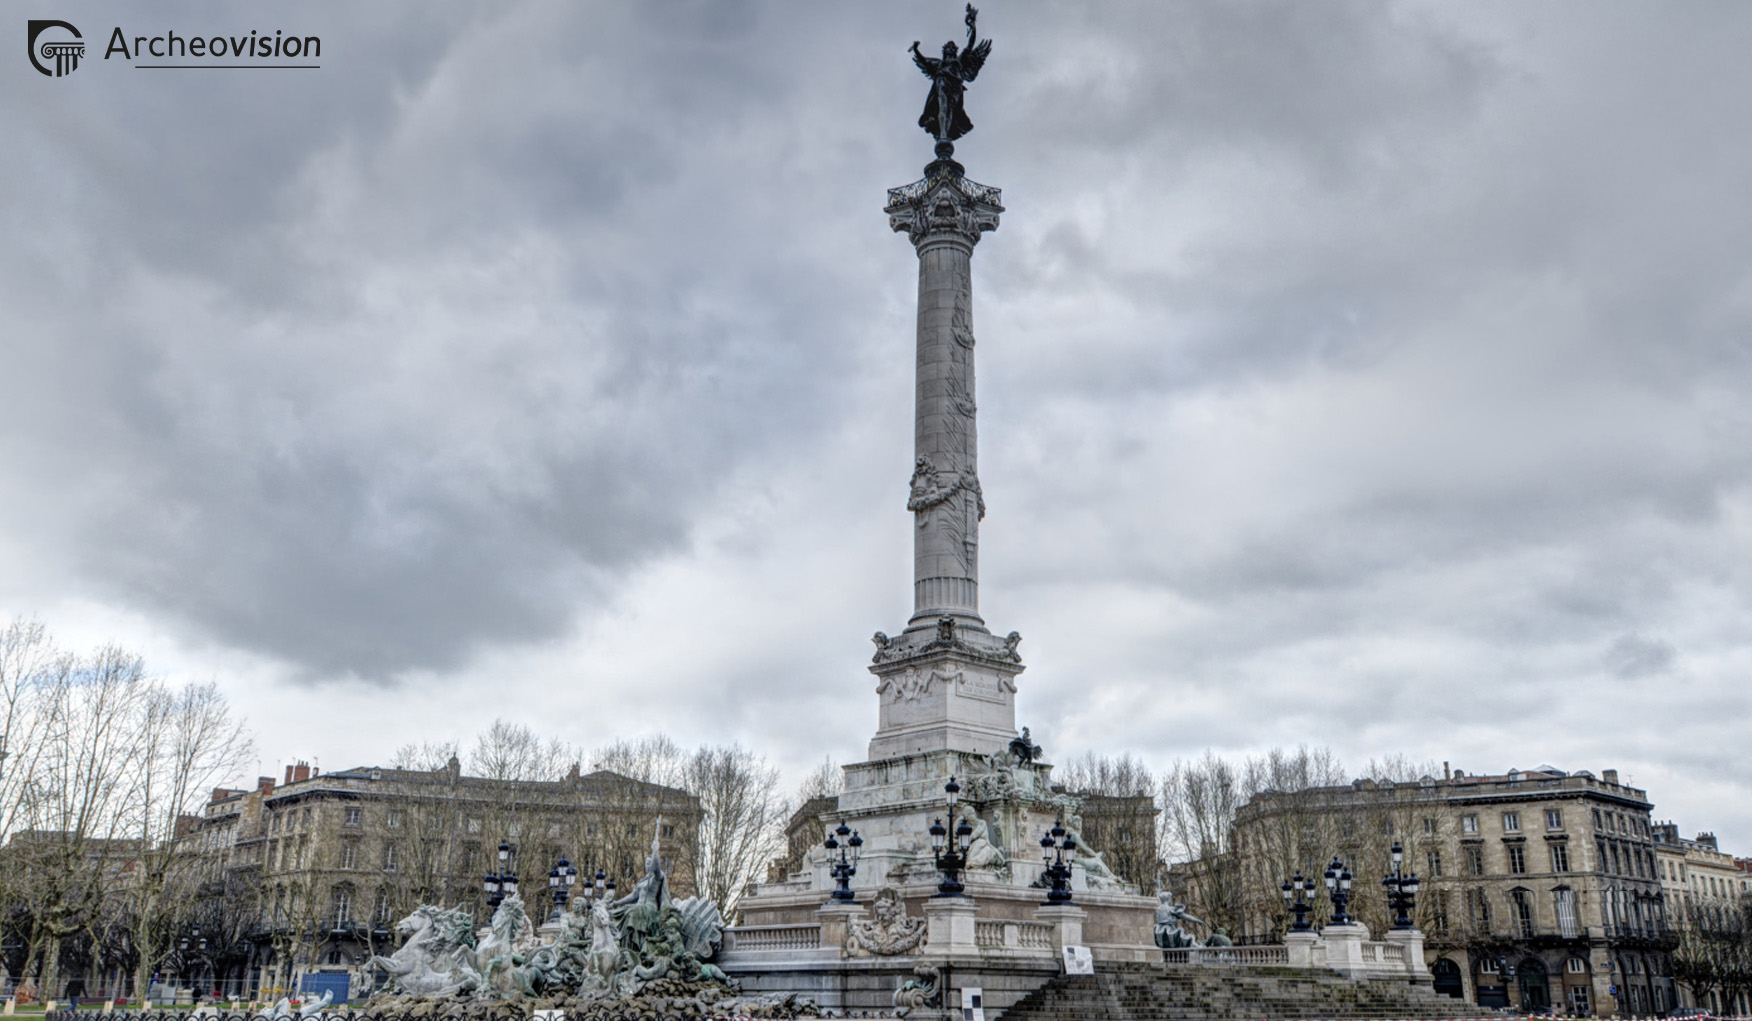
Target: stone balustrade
x=755 y=938
x=1014 y=935
x=1346 y=949
x=1228 y=955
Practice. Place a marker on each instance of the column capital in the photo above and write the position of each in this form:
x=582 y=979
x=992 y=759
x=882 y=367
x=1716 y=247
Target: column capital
x=944 y=207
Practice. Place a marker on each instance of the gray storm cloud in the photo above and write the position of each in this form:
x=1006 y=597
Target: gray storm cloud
x=1337 y=359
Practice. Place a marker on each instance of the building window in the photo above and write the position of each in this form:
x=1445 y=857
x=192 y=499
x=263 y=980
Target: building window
x=380 y=911
x=392 y=818
x=1429 y=827
x=1124 y=832
x=1596 y=818
x=389 y=857
x=349 y=853
x=1441 y=911
x=1617 y=865
x=1479 y=908
x=1474 y=860
x=1553 y=819
x=354 y=816
x=1511 y=822
x=1469 y=824
x=1559 y=858
x=1434 y=860
x=343 y=906
x=1563 y=899
x=469 y=851
x=1576 y=966
x=1517 y=859
x=1523 y=906
x=1487 y=966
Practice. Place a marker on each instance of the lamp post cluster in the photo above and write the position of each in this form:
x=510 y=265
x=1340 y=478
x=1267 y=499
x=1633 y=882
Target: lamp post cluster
x=1401 y=890
x=1053 y=848
x=951 y=857
x=846 y=841
x=560 y=880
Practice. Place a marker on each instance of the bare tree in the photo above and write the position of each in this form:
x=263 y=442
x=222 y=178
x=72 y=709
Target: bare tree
x=740 y=832
x=187 y=741
x=1119 y=813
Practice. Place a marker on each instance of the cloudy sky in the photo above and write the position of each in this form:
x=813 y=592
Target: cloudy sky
x=1368 y=375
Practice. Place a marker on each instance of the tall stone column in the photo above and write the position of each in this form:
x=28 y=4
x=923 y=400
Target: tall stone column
x=943 y=215
x=946 y=683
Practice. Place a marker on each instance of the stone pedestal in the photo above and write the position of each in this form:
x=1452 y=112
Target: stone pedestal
x=836 y=917
x=1413 y=941
x=1304 y=949
x=1344 y=947
x=949 y=927
x=1067 y=924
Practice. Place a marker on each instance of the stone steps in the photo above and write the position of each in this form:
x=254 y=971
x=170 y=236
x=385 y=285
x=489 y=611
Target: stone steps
x=1156 y=992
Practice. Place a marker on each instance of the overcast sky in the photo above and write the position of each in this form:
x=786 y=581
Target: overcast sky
x=1369 y=375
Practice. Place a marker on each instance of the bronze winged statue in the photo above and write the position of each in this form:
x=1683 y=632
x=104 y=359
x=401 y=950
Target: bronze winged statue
x=944 y=117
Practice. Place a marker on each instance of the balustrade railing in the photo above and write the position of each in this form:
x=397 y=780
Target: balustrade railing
x=806 y=936
x=1228 y=955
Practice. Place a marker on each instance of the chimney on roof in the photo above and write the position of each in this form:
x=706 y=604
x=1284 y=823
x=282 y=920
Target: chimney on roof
x=1447 y=774
x=1708 y=840
x=300 y=772
x=219 y=794
x=1609 y=776
x=265 y=784
x=288 y=776
x=573 y=773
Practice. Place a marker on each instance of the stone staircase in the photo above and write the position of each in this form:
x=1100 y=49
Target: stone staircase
x=1156 y=992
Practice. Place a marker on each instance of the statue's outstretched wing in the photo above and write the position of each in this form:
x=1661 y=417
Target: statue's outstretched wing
x=928 y=65
x=973 y=58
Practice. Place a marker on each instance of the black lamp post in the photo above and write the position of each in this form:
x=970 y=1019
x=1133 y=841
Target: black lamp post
x=951 y=857
x=502 y=884
x=847 y=842
x=561 y=879
x=1401 y=891
x=597 y=889
x=193 y=940
x=1338 y=887
x=1053 y=848
x=1296 y=893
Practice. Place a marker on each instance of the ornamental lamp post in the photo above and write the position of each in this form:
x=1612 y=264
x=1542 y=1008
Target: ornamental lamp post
x=846 y=841
x=1297 y=893
x=1053 y=848
x=1338 y=887
x=950 y=855
x=502 y=884
x=1401 y=891
x=560 y=880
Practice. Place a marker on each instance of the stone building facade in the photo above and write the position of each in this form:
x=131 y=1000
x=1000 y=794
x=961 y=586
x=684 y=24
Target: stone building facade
x=1707 y=896
x=1541 y=889
x=309 y=875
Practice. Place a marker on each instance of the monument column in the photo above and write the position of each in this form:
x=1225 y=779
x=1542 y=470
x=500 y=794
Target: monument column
x=944 y=215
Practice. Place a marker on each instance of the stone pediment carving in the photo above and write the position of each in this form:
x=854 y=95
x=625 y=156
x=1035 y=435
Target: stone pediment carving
x=888 y=931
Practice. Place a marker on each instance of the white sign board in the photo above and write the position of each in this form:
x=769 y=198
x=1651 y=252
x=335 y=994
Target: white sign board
x=1078 y=961
x=972 y=1003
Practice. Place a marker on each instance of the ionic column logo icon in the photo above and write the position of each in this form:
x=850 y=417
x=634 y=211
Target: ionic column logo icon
x=63 y=53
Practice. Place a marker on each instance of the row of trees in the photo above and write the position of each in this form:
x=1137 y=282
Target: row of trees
x=1713 y=955
x=740 y=795
x=98 y=763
